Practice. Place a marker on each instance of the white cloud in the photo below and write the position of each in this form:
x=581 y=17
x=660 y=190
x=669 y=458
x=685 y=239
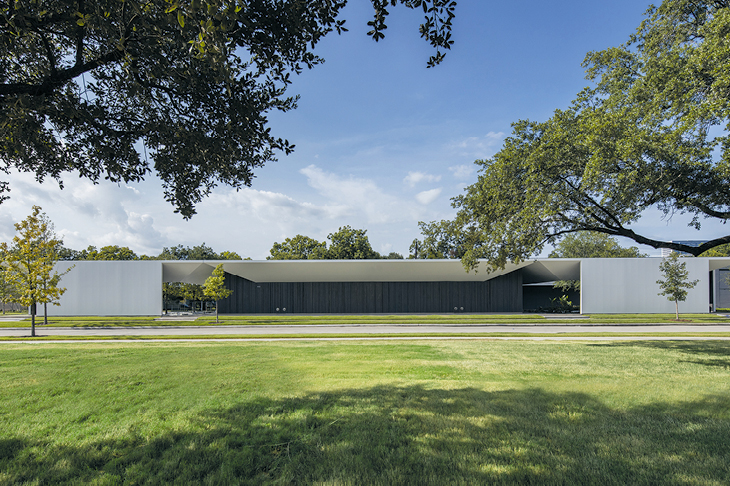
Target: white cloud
x=427 y=197
x=248 y=221
x=414 y=178
x=462 y=172
x=360 y=197
x=273 y=207
x=7 y=230
x=478 y=147
x=84 y=213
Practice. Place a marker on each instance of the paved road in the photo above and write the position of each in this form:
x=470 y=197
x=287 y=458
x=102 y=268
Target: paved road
x=313 y=331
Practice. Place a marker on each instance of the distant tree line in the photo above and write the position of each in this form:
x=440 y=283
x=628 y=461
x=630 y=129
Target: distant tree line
x=115 y=252
x=346 y=243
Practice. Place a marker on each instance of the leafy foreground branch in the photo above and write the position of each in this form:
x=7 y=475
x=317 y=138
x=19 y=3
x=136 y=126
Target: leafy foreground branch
x=651 y=133
x=86 y=86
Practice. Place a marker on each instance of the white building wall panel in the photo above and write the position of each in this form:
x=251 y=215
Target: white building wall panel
x=110 y=288
x=618 y=285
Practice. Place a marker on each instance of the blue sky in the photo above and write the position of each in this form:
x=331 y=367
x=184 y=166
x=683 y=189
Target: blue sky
x=382 y=142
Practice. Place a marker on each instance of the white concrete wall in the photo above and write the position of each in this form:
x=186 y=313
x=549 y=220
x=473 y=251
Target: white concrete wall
x=110 y=288
x=618 y=285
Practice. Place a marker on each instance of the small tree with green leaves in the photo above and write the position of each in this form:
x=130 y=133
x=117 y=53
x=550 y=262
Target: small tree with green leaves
x=675 y=283
x=215 y=287
x=8 y=289
x=31 y=257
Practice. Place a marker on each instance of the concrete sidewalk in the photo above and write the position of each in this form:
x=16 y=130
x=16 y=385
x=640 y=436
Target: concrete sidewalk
x=372 y=329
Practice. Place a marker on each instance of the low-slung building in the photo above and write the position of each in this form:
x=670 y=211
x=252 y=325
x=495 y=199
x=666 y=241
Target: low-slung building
x=608 y=285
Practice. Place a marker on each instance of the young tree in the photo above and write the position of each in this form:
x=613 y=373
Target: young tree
x=82 y=83
x=8 y=288
x=215 y=287
x=675 y=280
x=32 y=256
x=193 y=293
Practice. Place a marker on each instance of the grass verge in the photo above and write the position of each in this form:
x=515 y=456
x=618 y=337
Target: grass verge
x=475 y=412
x=481 y=335
x=460 y=319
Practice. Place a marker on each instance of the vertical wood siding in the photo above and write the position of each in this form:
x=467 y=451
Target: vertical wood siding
x=502 y=294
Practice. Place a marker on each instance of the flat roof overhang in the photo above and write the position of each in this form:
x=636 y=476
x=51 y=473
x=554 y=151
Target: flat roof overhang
x=716 y=263
x=265 y=271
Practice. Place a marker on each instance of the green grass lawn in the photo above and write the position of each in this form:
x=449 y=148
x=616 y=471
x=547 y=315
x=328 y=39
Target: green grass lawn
x=423 y=412
x=618 y=333
x=461 y=319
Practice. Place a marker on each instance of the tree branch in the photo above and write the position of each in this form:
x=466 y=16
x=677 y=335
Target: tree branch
x=80 y=34
x=593 y=202
x=711 y=212
x=52 y=82
x=49 y=53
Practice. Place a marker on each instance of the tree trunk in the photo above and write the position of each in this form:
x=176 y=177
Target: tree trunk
x=32 y=319
x=216 y=312
x=676 y=308
x=45 y=313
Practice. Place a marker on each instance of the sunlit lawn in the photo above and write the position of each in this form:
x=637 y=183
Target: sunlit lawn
x=437 y=412
x=337 y=319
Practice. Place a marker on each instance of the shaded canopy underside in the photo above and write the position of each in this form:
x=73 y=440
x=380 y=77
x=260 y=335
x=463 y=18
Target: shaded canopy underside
x=366 y=270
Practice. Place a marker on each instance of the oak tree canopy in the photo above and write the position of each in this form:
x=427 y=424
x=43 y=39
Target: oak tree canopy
x=346 y=243
x=117 y=89
x=652 y=132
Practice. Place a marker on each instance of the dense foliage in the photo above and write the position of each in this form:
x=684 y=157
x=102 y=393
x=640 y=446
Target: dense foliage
x=298 y=248
x=588 y=244
x=651 y=133
x=118 y=89
x=346 y=243
x=441 y=239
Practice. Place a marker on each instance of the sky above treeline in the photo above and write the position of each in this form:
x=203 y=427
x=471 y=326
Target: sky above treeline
x=382 y=142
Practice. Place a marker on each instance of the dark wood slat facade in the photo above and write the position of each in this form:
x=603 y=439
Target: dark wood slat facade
x=501 y=294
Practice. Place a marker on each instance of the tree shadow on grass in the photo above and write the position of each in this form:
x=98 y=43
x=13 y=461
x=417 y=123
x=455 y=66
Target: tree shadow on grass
x=403 y=435
x=706 y=353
